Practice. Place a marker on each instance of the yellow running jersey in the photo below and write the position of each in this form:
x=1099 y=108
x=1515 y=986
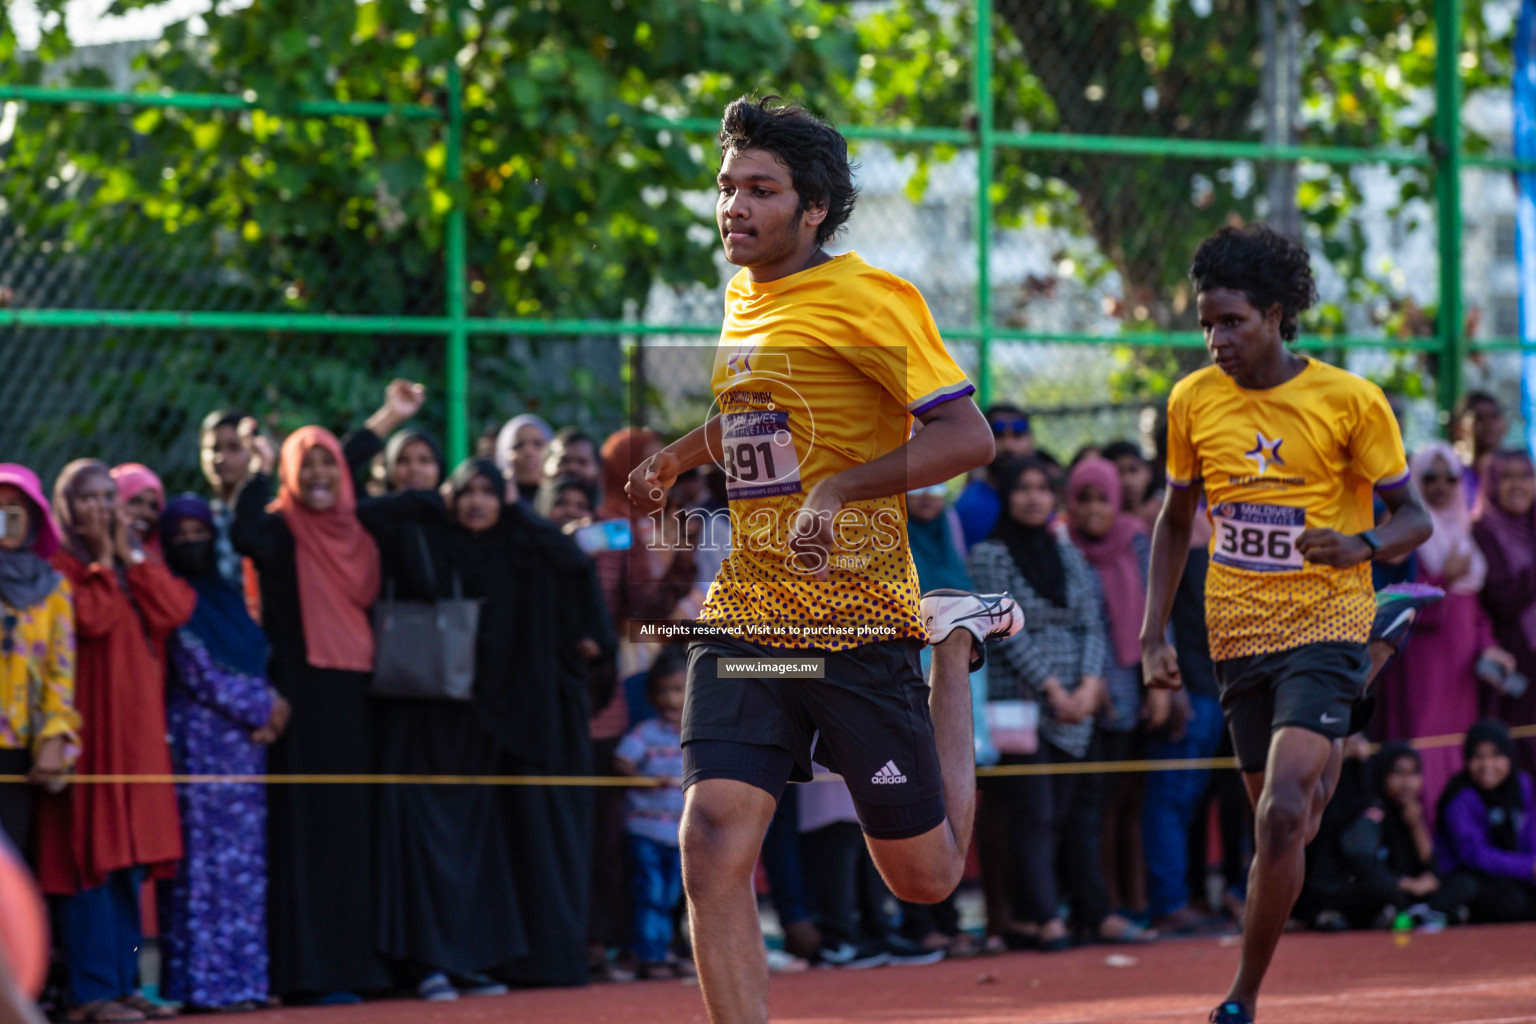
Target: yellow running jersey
x=1306 y=454
x=816 y=373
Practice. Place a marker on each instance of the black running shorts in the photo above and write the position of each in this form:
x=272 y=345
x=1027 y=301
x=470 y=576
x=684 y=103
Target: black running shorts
x=1311 y=687
x=867 y=720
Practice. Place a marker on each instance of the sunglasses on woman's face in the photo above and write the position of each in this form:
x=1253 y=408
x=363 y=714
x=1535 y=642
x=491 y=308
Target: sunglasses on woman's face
x=1439 y=478
x=8 y=644
x=1019 y=425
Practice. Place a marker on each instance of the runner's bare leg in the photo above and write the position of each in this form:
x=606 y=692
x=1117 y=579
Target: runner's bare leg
x=1284 y=796
x=927 y=868
x=1381 y=652
x=721 y=836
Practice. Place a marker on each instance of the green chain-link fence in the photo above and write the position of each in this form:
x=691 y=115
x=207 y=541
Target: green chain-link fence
x=282 y=207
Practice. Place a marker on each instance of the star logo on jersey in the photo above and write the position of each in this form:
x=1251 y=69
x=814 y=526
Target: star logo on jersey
x=1266 y=451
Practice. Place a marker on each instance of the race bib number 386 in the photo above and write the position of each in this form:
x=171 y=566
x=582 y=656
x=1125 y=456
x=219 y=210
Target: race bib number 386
x=1259 y=538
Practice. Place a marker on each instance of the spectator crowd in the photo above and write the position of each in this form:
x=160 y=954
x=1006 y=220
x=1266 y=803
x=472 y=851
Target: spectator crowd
x=262 y=629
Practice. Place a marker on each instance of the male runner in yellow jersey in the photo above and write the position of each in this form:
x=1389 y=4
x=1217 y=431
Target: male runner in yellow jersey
x=823 y=365
x=1289 y=451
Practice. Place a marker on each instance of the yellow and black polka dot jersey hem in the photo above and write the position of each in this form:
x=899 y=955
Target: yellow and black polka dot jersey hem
x=1261 y=613
x=848 y=610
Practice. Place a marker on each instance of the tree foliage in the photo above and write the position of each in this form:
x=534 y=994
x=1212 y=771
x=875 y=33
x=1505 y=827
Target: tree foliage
x=1180 y=69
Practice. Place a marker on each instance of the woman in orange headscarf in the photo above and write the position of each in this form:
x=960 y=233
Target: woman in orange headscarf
x=319 y=572
x=640 y=583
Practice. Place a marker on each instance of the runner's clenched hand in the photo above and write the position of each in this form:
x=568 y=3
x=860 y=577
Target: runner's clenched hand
x=1332 y=548
x=1160 y=666
x=811 y=538
x=651 y=480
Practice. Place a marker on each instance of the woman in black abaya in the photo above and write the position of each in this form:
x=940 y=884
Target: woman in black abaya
x=541 y=618
x=448 y=907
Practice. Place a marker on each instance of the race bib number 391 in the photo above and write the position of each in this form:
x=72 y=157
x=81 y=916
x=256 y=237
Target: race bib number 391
x=1259 y=538
x=760 y=456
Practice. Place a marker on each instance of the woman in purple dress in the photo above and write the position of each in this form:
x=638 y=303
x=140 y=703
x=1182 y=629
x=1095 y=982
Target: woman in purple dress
x=1506 y=532
x=1435 y=690
x=220 y=712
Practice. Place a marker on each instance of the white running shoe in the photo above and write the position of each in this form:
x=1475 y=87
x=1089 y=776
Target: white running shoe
x=984 y=616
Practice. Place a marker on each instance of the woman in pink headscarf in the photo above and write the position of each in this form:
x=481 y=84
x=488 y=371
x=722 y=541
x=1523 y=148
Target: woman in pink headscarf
x=642 y=583
x=1505 y=530
x=1114 y=542
x=39 y=726
x=1435 y=689
x=142 y=497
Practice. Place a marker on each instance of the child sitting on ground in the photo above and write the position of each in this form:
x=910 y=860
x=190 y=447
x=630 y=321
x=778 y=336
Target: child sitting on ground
x=653 y=749
x=1386 y=853
x=1487 y=828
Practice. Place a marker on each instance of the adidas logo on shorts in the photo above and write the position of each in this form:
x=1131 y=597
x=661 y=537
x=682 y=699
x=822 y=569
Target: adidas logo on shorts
x=890 y=775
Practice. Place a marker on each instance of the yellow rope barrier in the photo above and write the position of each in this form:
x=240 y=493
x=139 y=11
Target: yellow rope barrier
x=1078 y=768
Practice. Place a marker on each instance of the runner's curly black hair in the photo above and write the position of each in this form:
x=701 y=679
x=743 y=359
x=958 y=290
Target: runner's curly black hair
x=1263 y=264
x=815 y=153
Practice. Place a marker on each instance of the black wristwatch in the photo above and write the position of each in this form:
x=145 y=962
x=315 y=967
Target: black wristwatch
x=1369 y=536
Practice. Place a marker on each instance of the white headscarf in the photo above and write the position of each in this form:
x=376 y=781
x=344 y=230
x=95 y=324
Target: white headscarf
x=1453 y=525
x=508 y=435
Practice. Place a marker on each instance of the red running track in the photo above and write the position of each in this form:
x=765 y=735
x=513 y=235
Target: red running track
x=1464 y=976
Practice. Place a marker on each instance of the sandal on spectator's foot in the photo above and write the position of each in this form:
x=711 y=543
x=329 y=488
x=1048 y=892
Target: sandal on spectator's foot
x=104 y=1011
x=476 y=983
x=341 y=997
x=963 y=945
x=148 y=1007
x=1015 y=939
x=609 y=970
x=1128 y=934
x=780 y=962
x=436 y=988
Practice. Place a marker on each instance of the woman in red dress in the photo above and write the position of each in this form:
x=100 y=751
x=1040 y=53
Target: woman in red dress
x=97 y=842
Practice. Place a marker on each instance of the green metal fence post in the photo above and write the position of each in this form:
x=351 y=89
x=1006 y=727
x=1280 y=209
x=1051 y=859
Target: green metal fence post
x=1453 y=347
x=981 y=88
x=457 y=262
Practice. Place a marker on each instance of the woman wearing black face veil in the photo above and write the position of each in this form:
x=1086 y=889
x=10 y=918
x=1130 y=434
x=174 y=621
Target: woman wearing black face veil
x=448 y=905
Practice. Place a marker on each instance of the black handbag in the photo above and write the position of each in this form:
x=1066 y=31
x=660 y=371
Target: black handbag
x=425 y=650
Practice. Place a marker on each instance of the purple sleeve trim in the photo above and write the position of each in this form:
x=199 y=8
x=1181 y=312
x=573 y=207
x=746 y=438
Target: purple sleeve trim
x=1387 y=485
x=1180 y=485
x=939 y=399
